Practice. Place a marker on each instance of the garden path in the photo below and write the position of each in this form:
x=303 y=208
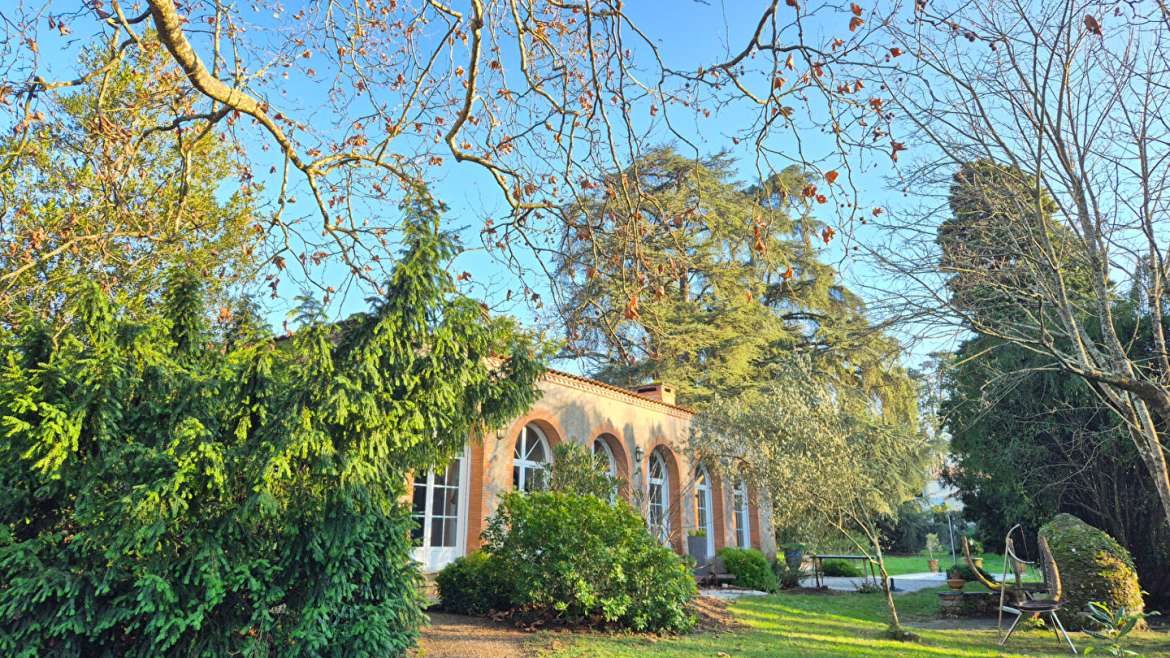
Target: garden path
x=903 y=584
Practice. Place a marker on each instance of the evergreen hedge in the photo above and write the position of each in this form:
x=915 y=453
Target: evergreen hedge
x=174 y=487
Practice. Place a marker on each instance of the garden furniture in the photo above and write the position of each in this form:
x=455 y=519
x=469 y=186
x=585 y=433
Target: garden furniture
x=1037 y=606
x=868 y=569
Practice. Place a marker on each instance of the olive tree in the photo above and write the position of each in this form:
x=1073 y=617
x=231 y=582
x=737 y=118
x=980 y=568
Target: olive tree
x=825 y=455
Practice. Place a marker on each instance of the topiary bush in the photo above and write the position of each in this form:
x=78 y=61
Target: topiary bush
x=1093 y=567
x=577 y=559
x=750 y=568
x=840 y=569
x=473 y=585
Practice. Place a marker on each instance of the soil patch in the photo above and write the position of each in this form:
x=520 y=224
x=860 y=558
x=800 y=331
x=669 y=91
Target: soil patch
x=713 y=615
x=456 y=636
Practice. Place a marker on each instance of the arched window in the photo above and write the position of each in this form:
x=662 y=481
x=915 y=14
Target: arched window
x=529 y=458
x=601 y=449
x=743 y=517
x=704 y=507
x=659 y=497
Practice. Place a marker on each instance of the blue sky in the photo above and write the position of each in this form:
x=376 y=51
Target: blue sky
x=689 y=33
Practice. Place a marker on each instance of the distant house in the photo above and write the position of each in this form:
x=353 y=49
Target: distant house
x=643 y=435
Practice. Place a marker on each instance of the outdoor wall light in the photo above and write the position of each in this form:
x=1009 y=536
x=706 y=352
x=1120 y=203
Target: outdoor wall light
x=639 y=454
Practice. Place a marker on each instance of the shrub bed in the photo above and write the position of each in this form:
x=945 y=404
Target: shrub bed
x=750 y=568
x=576 y=559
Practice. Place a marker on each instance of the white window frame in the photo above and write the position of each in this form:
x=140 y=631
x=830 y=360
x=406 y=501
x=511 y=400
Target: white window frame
x=434 y=558
x=705 y=507
x=528 y=468
x=658 y=526
x=743 y=516
x=607 y=452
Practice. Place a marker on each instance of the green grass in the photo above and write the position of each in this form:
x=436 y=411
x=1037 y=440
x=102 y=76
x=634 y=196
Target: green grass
x=832 y=625
x=898 y=565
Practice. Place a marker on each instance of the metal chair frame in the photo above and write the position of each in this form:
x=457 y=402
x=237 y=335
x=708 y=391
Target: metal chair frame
x=1030 y=605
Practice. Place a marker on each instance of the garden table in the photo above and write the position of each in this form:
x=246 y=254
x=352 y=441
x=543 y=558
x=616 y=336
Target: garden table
x=868 y=570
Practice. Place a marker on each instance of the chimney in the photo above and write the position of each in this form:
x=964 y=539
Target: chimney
x=657 y=391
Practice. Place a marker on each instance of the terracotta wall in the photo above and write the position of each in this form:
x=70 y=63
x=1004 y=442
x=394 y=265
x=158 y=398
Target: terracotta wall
x=579 y=410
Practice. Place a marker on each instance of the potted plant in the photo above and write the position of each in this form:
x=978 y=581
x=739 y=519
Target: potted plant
x=793 y=554
x=976 y=547
x=932 y=545
x=955 y=578
x=697 y=545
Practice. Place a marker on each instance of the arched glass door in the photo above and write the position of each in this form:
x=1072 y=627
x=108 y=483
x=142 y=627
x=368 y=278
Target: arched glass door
x=601 y=449
x=439 y=508
x=659 y=495
x=743 y=517
x=529 y=459
x=704 y=507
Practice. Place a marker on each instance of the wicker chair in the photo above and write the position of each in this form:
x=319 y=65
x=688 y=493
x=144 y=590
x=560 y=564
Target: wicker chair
x=1040 y=606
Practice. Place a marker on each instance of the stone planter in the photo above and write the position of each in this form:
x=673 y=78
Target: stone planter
x=933 y=565
x=697 y=548
x=793 y=558
x=956 y=583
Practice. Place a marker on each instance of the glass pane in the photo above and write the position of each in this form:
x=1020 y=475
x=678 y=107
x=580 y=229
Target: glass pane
x=516 y=478
x=416 y=532
x=419 y=503
x=519 y=451
x=656 y=467
x=535 y=478
x=438 y=502
x=598 y=446
x=453 y=472
x=440 y=479
x=536 y=450
x=437 y=532
x=449 y=532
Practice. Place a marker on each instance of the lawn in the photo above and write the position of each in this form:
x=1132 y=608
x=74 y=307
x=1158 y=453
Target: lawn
x=898 y=565
x=833 y=625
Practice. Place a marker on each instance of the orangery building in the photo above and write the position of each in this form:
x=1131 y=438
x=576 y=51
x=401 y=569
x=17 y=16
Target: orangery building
x=641 y=433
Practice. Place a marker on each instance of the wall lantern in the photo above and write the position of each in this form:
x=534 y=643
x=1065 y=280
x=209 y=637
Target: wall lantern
x=639 y=454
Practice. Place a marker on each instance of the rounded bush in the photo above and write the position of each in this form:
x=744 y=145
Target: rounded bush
x=578 y=559
x=472 y=585
x=750 y=568
x=1093 y=567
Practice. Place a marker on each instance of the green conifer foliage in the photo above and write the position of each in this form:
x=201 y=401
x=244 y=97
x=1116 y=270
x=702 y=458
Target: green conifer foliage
x=167 y=491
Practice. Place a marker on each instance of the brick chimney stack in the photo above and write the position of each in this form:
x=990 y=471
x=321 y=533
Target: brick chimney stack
x=656 y=391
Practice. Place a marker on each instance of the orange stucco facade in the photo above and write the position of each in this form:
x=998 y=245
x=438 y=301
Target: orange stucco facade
x=634 y=427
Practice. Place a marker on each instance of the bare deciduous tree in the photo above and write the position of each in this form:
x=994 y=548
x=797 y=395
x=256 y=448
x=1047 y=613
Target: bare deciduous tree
x=1044 y=146
x=343 y=104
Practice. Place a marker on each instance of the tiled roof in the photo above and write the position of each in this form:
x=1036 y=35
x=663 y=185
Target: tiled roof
x=623 y=392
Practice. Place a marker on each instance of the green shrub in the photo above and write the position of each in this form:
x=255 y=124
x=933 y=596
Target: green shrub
x=579 y=559
x=1093 y=566
x=575 y=469
x=840 y=569
x=964 y=571
x=750 y=568
x=472 y=585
